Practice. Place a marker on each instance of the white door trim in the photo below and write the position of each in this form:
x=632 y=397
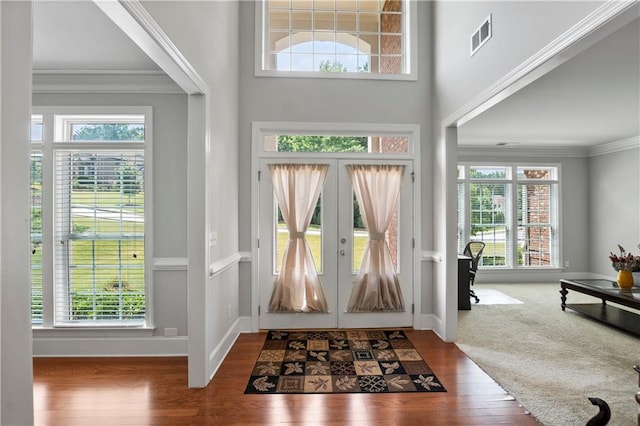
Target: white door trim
x=412 y=131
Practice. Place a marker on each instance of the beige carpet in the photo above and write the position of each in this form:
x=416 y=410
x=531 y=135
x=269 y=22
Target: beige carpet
x=552 y=361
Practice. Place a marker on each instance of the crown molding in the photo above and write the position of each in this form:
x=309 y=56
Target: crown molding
x=548 y=151
x=134 y=20
x=106 y=81
x=615 y=146
x=606 y=19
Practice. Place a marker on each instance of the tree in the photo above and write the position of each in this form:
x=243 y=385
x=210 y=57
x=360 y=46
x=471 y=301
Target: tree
x=110 y=132
x=305 y=143
x=334 y=66
x=131 y=185
x=300 y=143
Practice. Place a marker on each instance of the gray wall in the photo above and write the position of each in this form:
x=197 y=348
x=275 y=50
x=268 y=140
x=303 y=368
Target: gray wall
x=614 y=207
x=329 y=100
x=520 y=29
x=206 y=33
x=16 y=367
x=169 y=198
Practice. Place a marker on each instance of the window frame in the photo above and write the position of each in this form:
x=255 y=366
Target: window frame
x=410 y=52
x=52 y=140
x=513 y=182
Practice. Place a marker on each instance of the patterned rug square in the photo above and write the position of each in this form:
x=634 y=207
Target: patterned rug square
x=340 y=361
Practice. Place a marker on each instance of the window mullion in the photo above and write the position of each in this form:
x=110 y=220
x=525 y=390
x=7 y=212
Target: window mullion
x=513 y=220
x=48 y=237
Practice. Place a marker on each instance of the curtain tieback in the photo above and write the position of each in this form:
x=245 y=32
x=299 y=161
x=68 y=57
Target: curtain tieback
x=296 y=235
x=377 y=236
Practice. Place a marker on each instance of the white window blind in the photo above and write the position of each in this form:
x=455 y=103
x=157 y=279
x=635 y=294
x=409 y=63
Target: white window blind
x=88 y=206
x=537 y=200
x=99 y=234
x=36 y=235
x=513 y=209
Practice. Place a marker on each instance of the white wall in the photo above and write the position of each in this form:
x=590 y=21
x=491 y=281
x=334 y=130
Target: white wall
x=16 y=371
x=206 y=33
x=614 y=206
x=331 y=100
x=520 y=29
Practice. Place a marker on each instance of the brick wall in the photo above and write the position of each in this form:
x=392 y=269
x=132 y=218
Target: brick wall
x=391 y=40
x=537 y=252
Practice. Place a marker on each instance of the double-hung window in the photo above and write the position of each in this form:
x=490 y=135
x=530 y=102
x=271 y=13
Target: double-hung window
x=336 y=38
x=89 y=192
x=513 y=209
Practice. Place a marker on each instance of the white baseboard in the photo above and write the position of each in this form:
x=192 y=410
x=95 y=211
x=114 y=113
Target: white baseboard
x=218 y=354
x=425 y=322
x=110 y=346
x=529 y=276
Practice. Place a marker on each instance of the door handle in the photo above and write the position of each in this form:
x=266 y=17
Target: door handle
x=343 y=252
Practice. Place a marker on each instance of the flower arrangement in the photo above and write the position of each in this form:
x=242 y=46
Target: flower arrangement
x=624 y=261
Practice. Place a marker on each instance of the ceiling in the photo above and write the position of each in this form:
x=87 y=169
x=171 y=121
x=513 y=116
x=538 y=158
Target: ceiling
x=589 y=100
x=77 y=36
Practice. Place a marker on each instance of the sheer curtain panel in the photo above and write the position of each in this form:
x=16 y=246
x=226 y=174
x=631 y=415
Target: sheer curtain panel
x=377 y=288
x=297 y=287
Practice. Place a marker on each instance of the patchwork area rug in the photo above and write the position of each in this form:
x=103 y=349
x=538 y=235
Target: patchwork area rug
x=340 y=361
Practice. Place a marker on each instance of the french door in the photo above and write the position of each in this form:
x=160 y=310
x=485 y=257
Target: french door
x=340 y=234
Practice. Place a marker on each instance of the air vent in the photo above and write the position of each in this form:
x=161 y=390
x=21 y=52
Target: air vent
x=481 y=36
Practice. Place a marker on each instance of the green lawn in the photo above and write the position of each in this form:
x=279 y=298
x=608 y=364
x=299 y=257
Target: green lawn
x=102 y=262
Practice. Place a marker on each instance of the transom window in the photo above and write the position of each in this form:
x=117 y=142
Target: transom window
x=88 y=192
x=513 y=209
x=358 y=38
x=377 y=144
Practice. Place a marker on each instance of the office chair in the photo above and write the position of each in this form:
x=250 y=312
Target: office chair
x=473 y=249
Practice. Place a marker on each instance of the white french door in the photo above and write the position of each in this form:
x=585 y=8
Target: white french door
x=337 y=239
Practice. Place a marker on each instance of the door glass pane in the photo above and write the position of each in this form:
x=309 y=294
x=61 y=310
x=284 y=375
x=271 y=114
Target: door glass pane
x=313 y=237
x=361 y=236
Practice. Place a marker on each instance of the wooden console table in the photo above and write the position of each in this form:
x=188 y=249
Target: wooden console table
x=605 y=290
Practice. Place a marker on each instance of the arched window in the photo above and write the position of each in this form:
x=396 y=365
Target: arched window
x=306 y=51
x=361 y=38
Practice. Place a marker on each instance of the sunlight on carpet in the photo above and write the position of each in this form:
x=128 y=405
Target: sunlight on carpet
x=340 y=361
x=489 y=296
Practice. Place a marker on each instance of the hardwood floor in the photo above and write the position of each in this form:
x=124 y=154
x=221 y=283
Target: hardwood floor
x=153 y=391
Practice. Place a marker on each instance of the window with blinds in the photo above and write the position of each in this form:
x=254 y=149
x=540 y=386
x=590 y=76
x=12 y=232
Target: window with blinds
x=94 y=168
x=36 y=218
x=537 y=216
x=513 y=209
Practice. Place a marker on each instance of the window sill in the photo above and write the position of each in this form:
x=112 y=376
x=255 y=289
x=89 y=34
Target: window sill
x=336 y=75
x=96 y=331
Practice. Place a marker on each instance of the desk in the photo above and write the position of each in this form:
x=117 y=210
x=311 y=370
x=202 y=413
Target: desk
x=464 y=297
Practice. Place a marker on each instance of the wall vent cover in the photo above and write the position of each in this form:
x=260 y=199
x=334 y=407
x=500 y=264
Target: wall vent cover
x=481 y=36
